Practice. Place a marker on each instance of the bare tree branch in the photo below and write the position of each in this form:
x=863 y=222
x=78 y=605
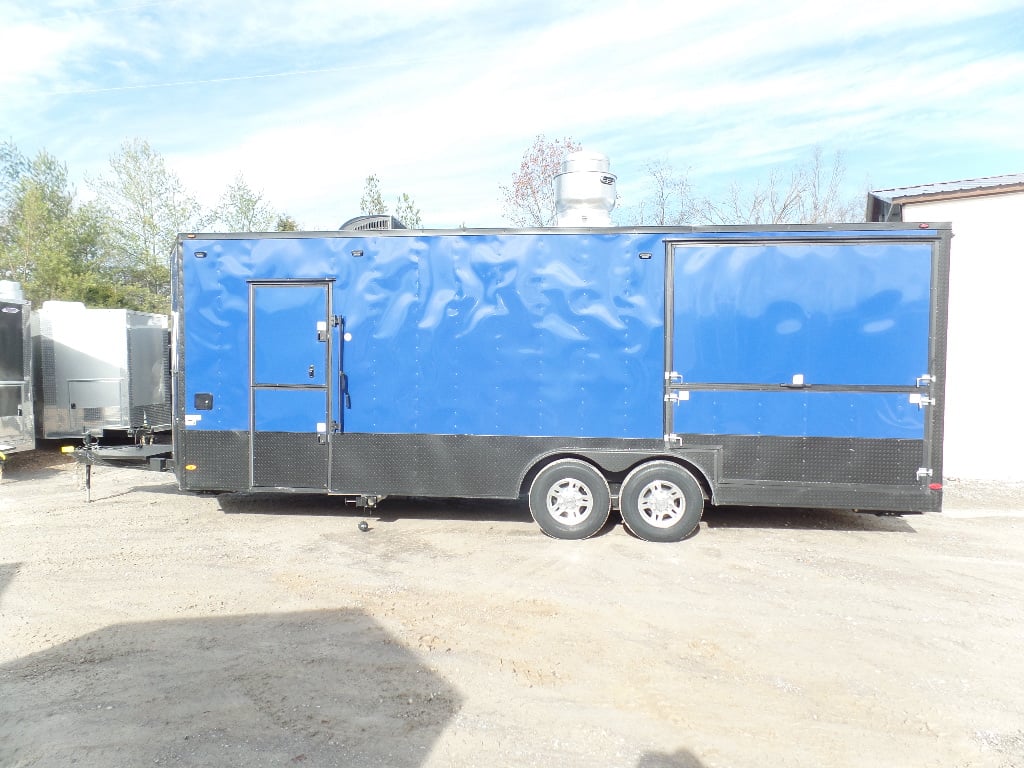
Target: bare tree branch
x=529 y=201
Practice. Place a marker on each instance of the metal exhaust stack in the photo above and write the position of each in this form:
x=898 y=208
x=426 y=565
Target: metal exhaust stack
x=584 y=191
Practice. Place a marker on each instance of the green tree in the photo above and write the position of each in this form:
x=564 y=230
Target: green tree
x=145 y=206
x=13 y=166
x=48 y=243
x=372 y=202
x=529 y=201
x=407 y=212
x=285 y=223
x=242 y=209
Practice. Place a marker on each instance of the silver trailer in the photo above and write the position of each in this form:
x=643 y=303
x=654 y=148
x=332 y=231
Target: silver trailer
x=100 y=371
x=17 y=432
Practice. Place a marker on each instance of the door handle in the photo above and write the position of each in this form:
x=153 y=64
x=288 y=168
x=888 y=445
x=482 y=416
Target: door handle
x=312 y=371
x=343 y=389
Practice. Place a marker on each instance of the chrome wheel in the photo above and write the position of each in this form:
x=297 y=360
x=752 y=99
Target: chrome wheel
x=570 y=501
x=661 y=503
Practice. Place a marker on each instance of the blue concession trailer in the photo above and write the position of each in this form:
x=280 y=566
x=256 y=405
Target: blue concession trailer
x=647 y=370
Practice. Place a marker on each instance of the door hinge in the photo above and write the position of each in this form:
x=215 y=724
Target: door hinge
x=925 y=381
x=673 y=441
x=673 y=378
x=924 y=472
x=677 y=396
x=921 y=400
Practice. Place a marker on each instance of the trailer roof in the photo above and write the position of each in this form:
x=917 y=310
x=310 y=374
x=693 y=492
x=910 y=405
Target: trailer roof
x=884 y=204
x=1010 y=182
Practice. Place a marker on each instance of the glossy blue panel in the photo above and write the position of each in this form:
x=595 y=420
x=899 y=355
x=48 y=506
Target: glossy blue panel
x=562 y=333
x=291 y=410
x=525 y=334
x=834 y=313
x=503 y=335
x=285 y=322
x=800 y=414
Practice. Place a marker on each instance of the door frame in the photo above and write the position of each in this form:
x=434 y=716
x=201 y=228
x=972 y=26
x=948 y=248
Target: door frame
x=329 y=379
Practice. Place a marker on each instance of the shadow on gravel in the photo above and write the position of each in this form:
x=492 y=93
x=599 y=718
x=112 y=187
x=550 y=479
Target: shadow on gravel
x=316 y=688
x=395 y=510
x=170 y=488
x=7 y=574
x=681 y=758
x=805 y=519
x=36 y=465
x=388 y=511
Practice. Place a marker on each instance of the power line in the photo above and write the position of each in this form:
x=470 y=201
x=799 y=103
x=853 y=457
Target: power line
x=106 y=11
x=267 y=76
x=206 y=81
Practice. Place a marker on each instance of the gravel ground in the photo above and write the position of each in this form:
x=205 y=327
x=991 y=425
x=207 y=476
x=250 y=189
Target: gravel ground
x=154 y=627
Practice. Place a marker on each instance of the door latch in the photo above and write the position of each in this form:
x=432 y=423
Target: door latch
x=343 y=388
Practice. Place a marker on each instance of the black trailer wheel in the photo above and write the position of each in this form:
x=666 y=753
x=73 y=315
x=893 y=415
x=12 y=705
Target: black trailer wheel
x=661 y=501
x=570 y=499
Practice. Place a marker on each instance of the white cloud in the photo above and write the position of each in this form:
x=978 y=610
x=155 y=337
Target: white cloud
x=440 y=98
x=32 y=52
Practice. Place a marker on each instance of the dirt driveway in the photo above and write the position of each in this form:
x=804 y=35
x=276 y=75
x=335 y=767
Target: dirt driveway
x=152 y=627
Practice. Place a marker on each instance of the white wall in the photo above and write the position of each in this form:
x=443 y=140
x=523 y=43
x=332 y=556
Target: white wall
x=985 y=373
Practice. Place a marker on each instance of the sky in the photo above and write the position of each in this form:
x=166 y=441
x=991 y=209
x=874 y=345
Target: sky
x=440 y=98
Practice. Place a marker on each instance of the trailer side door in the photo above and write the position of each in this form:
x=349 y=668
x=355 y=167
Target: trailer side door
x=290 y=383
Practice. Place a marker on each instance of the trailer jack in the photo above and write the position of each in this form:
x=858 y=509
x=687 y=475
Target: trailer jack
x=145 y=454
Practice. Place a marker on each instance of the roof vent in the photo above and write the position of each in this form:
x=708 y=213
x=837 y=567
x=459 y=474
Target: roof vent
x=585 y=191
x=372 y=222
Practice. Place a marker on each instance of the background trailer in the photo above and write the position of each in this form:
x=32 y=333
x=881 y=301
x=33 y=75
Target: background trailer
x=100 y=371
x=17 y=432
x=647 y=369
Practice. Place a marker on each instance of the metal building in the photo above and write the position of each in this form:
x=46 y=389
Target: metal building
x=981 y=434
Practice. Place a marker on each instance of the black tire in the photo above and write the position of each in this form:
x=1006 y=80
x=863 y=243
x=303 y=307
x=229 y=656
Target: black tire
x=661 y=501
x=570 y=499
